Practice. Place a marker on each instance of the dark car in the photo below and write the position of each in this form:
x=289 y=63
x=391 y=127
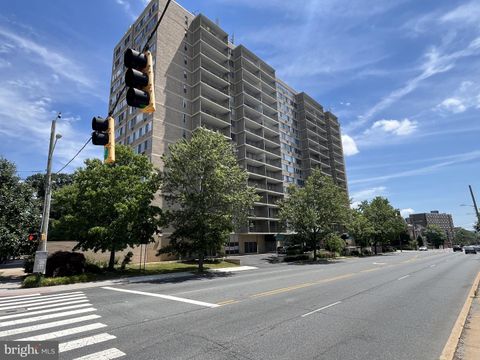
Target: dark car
x=470 y=250
x=457 y=248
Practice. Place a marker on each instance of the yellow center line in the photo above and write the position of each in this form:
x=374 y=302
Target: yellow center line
x=228 y=302
x=281 y=290
x=368 y=270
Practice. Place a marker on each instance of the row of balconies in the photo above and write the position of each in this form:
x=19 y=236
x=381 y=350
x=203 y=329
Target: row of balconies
x=263 y=185
x=264 y=211
x=263 y=226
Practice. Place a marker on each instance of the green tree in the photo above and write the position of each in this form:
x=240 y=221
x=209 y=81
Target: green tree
x=465 y=237
x=37 y=181
x=109 y=206
x=334 y=243
x=360 y=228
x=19 y=213
x=435 y=235
x=207 y=192
x=420 y=241
x=386 y=221
x=315 y=210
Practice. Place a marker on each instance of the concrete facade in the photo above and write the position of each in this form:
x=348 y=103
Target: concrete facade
x=203 y=80
x=442 y=220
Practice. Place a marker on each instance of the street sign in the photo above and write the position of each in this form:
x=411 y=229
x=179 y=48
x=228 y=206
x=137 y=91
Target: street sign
x=40 y=264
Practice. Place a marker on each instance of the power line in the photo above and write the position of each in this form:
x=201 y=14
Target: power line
x=78 y=152
x=145 y=48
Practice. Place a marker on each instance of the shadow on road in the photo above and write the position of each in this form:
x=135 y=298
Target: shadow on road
x=188 y=277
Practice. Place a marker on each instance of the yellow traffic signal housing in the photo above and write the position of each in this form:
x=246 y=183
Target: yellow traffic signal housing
x=109 y=155
x=140 y=80
x=104 y=134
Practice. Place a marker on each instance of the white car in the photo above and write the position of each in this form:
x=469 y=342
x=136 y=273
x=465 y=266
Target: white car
x=422 y=248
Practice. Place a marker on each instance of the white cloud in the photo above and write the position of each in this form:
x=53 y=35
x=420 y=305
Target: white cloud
x=453 y=105
x=436 y=62
x=349 y=146
x=453 y=160
x=406 y=212
x=128 y=8
x=400 y=128
x=366 y=194
x=466 y=13
x=57 y=62
x=24 y=114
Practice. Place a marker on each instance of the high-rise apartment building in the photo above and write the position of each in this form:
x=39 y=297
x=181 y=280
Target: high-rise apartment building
x=203 y=80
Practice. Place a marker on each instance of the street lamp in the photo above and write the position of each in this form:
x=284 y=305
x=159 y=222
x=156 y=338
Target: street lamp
x=42 y=254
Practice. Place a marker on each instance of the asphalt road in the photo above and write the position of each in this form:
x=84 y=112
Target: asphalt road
x=396 y=306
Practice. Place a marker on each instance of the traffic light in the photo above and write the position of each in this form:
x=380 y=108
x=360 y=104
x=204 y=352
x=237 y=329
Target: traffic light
x=139 y=79
x=32 y=237
x=104 y=134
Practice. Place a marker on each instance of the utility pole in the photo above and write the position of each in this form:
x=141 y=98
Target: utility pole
x=474 y=202
x=41 y=254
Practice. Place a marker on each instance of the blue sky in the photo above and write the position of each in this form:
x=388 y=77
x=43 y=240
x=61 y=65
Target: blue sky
x=403 y=77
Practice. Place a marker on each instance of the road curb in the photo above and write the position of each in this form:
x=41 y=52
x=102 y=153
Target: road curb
x=451 y=346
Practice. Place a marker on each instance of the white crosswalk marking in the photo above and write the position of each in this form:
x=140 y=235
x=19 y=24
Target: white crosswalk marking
x=44 y=297
x=33 y=317
x=17 y=296
x=112 y=353
x=49 y=325
x=90 y=340
x=39 y=302
x=45 y=317
x=62 y=333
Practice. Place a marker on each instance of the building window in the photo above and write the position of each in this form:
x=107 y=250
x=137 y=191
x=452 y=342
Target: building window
x=184 y=88
x=184 y=118
x=185 y=47
x=184 y=103
x=186 y=20
x=185 y=60
x=184 y=134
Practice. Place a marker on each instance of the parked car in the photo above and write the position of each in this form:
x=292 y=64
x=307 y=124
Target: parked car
x=457 y=248
x=477 y=247
x=422 y=248
x=470 y=250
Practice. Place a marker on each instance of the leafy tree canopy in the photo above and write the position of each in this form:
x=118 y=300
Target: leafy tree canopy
x=315 y=210
x=109 y=206
x=207 y=192
x=435 y=235
x=19 y=213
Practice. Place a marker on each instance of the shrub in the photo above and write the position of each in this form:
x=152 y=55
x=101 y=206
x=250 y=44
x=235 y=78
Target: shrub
x=334 y=243
x=126 y=260
x=32 y=281
x=65 y=263
x=355 y=253
x=366 y=252
x=28 y=264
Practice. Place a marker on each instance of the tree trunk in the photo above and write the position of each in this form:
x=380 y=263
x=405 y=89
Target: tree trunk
x=201 y=256
x=375 y=245
x=111 y=262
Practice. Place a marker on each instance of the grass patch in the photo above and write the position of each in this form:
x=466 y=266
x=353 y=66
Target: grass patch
x=131 y=270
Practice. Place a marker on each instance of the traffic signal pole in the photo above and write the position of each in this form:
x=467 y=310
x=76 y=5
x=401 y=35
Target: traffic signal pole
x=41 y=254
x=474 y=203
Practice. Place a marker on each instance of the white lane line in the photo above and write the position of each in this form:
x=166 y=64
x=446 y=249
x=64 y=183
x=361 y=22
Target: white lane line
x=49 y=325
x=61 y=304
x=3 y=298
x=62 y=333
x=28 y=313
x=322 y=308
x=234 y=269
x=86 y=341
x=432 y=265
x=403 y=277
x=377 y=263
x=112 y=353
x=40 y=302
x=42 y=297
x=45 y=317
x=167 y=297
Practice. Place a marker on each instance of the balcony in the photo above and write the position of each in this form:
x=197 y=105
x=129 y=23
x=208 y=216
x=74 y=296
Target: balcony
x=274 y=175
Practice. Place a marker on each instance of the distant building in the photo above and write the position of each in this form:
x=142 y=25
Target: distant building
x=442 y=220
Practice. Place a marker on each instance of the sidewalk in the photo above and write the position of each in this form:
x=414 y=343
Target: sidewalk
x=124 y=280
x=469 y=344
